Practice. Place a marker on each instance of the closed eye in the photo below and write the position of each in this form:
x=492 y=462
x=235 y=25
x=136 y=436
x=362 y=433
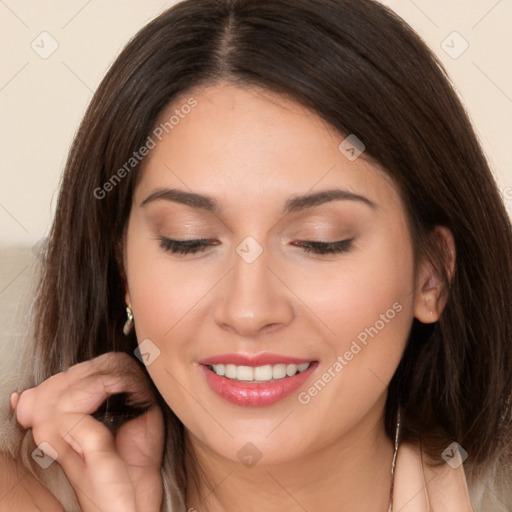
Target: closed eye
x=201 y=244
x=186 y=246
x=326 y=247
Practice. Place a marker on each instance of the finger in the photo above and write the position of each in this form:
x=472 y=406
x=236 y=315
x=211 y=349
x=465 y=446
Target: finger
x=120 y=373
x=140 y=442
x=89 y=438
x=77 y=442
x=24 y=407
x=85 y=450
x=89 y=393
x=106 y=472
x=13 y=400
x=36 y=400
x=51 y=399
x=83 y=388
x=123 y=374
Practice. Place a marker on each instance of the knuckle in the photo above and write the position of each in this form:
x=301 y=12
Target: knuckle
x=92 y=436
x=78 y=370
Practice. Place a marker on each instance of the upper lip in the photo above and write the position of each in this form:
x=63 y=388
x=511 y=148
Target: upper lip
x=253 y=360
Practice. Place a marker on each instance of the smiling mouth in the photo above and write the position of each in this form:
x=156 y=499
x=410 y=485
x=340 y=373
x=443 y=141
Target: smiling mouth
x=255 y=374
x=256 y=386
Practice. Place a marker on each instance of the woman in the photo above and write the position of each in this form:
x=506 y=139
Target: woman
x=280 y=252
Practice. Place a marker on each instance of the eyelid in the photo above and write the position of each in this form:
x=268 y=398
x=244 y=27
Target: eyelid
x=190 y=246
x=194 y=246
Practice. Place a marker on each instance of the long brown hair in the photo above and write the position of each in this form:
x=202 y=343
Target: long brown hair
x=363 y=70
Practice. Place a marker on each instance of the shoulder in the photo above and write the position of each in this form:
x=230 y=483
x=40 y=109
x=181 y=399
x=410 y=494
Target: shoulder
x=421 y=487
x=20 y=490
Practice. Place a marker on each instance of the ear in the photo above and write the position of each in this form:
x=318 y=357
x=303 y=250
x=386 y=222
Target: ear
x=431 y=295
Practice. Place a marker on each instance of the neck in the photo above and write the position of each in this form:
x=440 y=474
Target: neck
x=351 y=473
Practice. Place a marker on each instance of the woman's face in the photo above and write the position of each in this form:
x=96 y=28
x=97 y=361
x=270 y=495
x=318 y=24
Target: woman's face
x=258 y=177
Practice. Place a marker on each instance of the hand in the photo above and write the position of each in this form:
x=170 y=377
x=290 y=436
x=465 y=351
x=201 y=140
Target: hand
x=109 y=472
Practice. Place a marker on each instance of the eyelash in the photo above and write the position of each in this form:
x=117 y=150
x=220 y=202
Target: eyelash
x=199 y=245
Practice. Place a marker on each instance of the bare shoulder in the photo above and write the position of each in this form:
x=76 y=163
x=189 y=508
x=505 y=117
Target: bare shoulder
x=21 y=491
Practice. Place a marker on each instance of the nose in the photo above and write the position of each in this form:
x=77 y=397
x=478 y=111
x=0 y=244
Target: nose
x=253 y=300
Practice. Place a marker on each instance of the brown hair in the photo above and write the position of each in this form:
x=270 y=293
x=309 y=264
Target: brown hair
x=363 y=70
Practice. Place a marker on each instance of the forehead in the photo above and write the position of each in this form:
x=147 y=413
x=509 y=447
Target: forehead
x=250 y=144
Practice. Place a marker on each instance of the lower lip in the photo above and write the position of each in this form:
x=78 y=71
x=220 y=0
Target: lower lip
x=252 y=393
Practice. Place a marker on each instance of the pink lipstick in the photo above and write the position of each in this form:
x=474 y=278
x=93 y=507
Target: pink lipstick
x=257 y=380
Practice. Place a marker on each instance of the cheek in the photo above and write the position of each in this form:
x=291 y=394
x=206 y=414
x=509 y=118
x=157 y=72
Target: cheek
x=360 y=296
x=162 y=291
x=165 y=302
x=373 y=313
x=368 y=305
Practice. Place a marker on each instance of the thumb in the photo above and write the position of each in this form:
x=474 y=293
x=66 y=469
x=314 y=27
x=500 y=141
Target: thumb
x=140 y=442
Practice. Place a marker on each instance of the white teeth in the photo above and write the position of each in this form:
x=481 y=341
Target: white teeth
x=219 y=369
x=230 y=371
x=291 y=370
x=263 y=373
x=279 y=371
x=244 y=373
x=259 y=373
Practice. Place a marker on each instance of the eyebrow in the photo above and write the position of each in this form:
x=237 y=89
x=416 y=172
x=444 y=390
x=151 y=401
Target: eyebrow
x=293 y=204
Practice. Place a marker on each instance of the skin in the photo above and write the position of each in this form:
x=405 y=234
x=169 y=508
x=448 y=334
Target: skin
x=250 y=150
x=20 y=490
x=107 y=472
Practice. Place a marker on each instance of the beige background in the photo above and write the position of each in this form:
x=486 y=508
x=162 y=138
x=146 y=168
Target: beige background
x=43 y=99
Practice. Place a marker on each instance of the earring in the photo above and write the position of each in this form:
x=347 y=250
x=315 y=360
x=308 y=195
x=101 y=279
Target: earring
x=128 y=325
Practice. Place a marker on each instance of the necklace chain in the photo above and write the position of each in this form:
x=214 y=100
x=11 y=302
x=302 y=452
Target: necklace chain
x=393 y=463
